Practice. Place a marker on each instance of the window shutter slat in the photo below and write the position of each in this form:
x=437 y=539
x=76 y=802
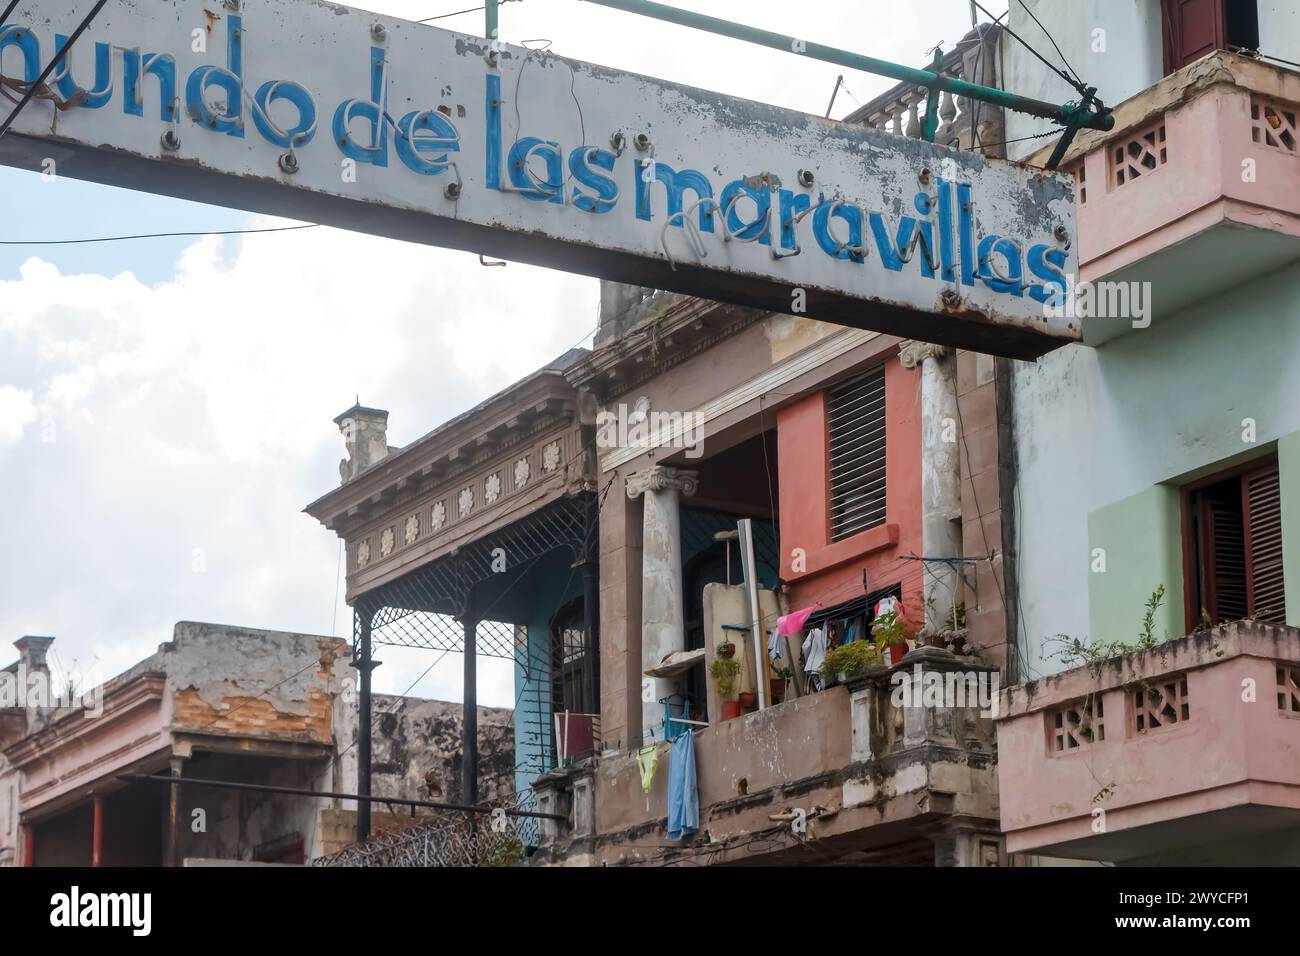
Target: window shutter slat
x=856 y=423
x=1263 y=493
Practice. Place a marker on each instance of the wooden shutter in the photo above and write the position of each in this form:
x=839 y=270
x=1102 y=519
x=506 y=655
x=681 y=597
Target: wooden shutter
x=1262 y=508
x=856 y=418
x=1225 y=588
x=1192 y=28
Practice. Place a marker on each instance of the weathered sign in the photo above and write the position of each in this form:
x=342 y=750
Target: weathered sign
x=324 y=113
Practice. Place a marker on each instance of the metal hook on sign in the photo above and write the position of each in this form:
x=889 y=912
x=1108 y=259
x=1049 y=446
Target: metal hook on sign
x=840 y=245
x=548 y=189
x=692 y=231
x=991 y=263
x=798 y=249
x=727 y=235
x=918 y=238
x=490 y=262
x=618 y=190
x=453 y=190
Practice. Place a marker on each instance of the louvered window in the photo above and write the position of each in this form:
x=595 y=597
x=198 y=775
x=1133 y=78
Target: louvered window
x=1235 y=561
x=856 y=414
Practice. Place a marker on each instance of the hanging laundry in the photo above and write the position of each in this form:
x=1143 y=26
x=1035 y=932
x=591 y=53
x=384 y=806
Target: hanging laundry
x=814 y=652
x=683 y=795
x=850 y=631
x=647 y=761
x=788 y=625
x=774 y=645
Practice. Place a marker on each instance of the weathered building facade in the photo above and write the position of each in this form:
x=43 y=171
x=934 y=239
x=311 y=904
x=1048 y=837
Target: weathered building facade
x=866 y=468
x=479 y=538
x=217 y=703
x=1158 y=465
x=745 y=468
x=250 y=708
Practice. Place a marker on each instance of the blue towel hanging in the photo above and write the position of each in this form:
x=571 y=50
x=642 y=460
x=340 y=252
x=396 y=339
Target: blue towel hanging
x=683 y=794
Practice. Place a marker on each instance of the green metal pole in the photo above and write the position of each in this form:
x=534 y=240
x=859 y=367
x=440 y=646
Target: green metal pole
x=490 y=11
x=932 y=103
x=1070 y=114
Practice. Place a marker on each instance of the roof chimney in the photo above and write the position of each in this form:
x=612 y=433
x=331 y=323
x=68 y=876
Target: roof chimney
x=32 y=651
x=365 y=433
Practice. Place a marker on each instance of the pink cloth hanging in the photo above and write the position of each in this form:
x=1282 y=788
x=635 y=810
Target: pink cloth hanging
x=788 y=625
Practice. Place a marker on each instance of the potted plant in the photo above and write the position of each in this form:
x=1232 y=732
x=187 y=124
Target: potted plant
x=724 y=672
x=778 y=682
x=889 y=633
x=849 y=660
x=726 y=649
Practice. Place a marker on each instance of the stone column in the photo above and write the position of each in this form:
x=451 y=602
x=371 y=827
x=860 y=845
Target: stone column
x=940 y=477
x=663 y=611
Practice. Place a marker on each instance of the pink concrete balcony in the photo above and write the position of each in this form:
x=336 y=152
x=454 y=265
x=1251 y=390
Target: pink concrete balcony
x=1193 y=743
x=1197 y=188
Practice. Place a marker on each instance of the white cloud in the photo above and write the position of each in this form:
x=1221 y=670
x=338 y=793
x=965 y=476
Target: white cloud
x=192 y=421
x=17 y=410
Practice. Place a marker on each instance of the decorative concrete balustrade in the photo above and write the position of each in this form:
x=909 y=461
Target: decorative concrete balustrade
x=1196 y=190
x=963 y=123
x=1195 y=743
x=855 y=774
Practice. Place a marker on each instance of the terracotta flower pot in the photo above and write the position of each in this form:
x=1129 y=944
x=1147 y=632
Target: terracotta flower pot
x=730 y=709
x=726 y=651
x=894 y=653
x=748 y=701
x=778 y=688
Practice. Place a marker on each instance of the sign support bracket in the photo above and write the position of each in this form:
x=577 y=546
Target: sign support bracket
x=1088 y=114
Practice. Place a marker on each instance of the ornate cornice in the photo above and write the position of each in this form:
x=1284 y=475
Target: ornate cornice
x=684 y=328
x=511 y=419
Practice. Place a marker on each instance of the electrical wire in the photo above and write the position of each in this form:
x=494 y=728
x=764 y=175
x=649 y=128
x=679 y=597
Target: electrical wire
x=1078 y=86
x=1021 y=139
x=444 y=16
x=154 y=235
x=51 y=66
x=8 y=10
x=1052 y=40
x=978 y=77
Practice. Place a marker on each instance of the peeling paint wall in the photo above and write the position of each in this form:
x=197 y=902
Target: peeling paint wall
x=241 y=680
x=416 y=742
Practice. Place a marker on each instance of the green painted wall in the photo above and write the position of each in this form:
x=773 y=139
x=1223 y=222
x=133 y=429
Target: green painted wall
x=1288 y=459
x=1142 y=538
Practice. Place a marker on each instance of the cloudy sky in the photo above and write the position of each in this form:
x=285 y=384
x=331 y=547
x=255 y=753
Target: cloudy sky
x=166 y=404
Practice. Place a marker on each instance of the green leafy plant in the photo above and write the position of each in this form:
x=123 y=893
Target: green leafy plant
x=724 y=671
x=889 y=630
x=1075 y=653
x=509 y=852
x=850 y=659
x=956 y=621
x=1146 y=639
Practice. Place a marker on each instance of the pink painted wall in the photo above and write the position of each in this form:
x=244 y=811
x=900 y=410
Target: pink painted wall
x=1206 y=140
x=1230 y=752
x=834 y=569
x=133 y=728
